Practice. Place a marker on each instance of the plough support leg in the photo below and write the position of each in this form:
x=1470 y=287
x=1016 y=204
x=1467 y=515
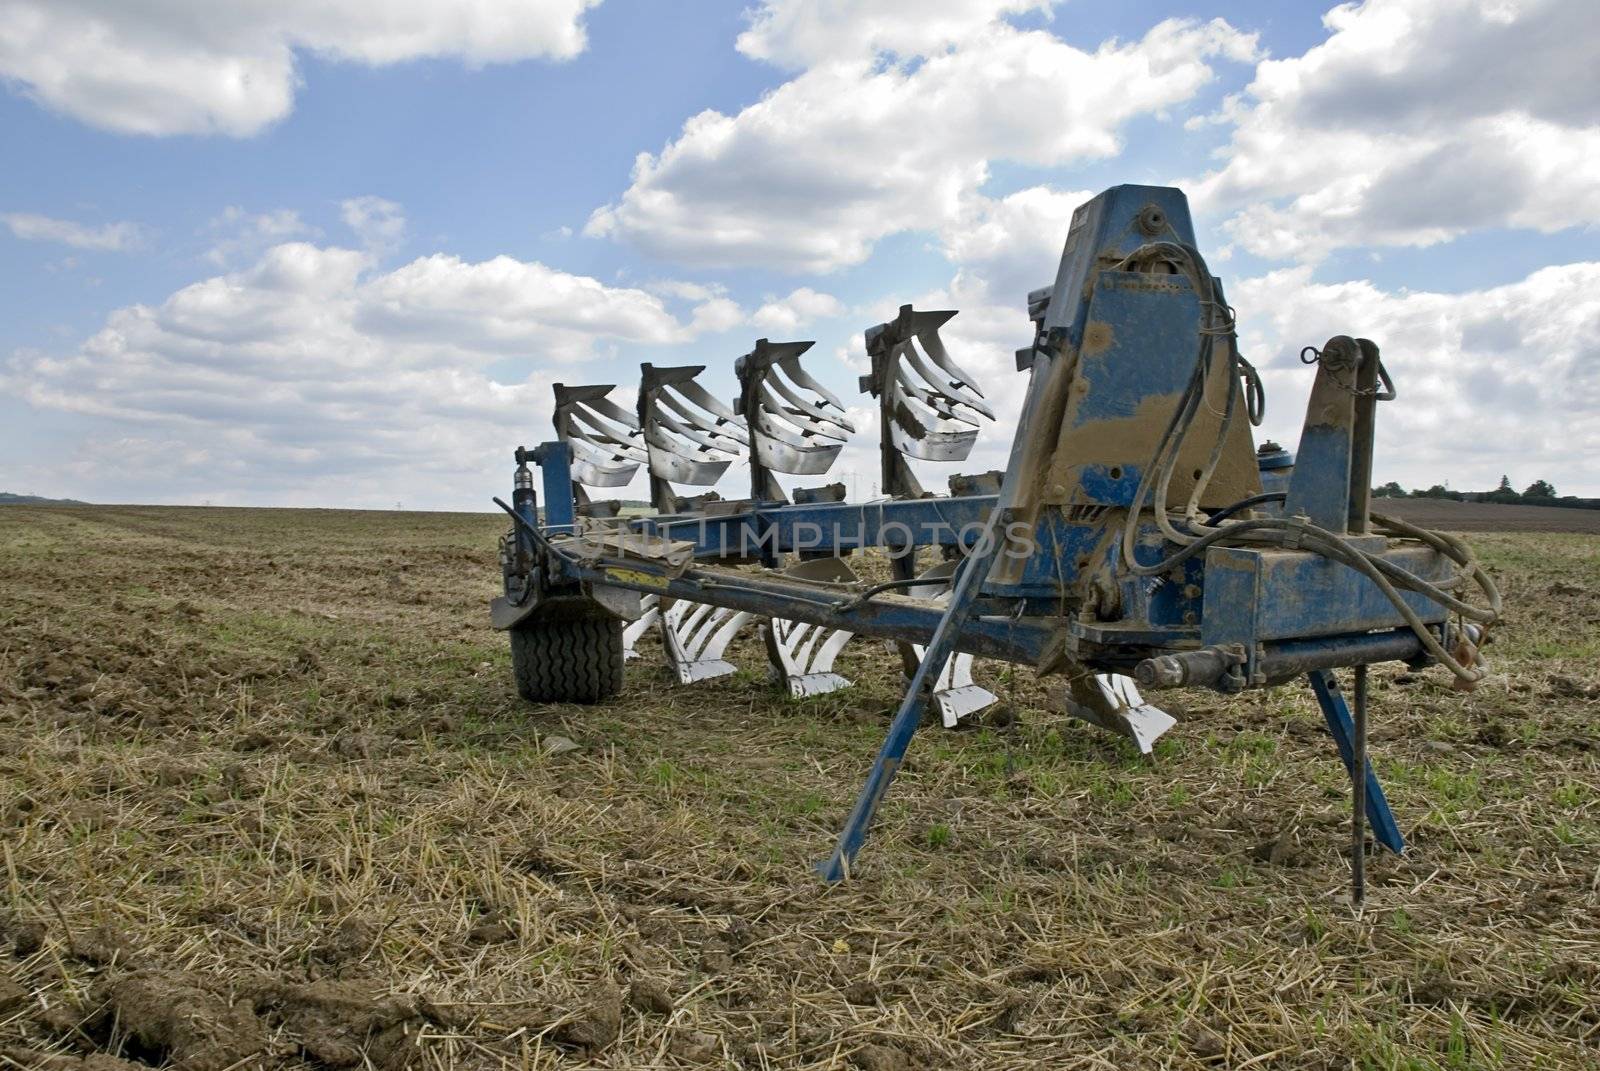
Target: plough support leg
x=1337 y=714
x=918 y=694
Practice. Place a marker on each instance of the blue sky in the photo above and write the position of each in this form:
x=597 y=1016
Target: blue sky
x=337 y=256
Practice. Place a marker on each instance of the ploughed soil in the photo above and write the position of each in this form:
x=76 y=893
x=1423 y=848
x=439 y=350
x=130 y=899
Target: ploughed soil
x=1444 y=514
x=268 y=799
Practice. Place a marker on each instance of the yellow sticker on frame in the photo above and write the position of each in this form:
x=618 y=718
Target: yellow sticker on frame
x=635 y=578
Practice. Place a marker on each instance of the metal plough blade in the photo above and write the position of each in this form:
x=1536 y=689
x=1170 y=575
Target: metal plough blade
x=689 y=436
x=696 y=636
x=796 y=425
x=1113 y=702
x=954 y=693
x=929 y=406
x=802 y=655
x=607 y=445
x=634 y=631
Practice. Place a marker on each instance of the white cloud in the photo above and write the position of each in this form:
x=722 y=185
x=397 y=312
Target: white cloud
x=238 y=234
x=848 y=152
x=717 y=314
x=110 y=237
x=689 y=291
x=379 y=224
x=504 y=305
x=803 y=33
x=1500 y=380
x=313 y=377
x=1415 y=122
x=152 y=67
x=1012 y=243
x=802 y=306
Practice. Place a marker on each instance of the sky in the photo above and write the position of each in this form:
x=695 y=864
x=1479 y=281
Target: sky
x=284 y=253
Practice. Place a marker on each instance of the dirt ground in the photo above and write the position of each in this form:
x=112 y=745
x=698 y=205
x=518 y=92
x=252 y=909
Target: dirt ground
x=267 y=799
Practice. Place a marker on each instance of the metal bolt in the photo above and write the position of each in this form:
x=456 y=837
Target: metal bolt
x=1152 y=221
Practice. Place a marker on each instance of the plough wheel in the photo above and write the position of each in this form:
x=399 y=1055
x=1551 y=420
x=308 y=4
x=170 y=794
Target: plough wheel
x=567 y=661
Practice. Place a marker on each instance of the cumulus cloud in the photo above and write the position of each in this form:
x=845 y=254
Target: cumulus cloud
x=237 y=234
x=1415 y=122
x=1012 y=244
x=509 y=306
x=802 y=306
x=379 y=224
x=150 y=67
x=717 y=314
x=850 y=151
x=1499 y=380
x=107 y=237
x=310 y=370
x=803 y=33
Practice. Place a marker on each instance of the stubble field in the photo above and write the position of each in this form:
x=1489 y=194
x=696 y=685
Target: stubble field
x=267 y=799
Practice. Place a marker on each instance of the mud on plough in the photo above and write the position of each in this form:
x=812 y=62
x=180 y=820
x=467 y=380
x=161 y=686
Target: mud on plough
x=1136 y=539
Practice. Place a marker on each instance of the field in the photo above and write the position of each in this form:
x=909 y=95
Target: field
x=267 y=799
x=1488 y=516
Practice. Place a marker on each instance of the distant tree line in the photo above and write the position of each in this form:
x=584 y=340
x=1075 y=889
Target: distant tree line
x=1537 y=493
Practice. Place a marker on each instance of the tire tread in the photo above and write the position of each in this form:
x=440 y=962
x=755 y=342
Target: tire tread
x=567 y=661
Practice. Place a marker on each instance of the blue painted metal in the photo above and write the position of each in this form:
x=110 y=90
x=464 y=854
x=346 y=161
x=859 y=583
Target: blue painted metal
x=1277 y=468
x=1272 y=457
x=939 y=649
x=1110 y=227
x=1320 y=486
x=1337 y=714
x=1026 y=640
x=555 y=466
x=1253 y=595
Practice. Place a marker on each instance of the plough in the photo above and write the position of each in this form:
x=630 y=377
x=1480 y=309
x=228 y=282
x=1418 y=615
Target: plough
x=1136 y=541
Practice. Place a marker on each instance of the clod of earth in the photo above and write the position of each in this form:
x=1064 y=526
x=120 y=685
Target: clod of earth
x=649 y=995
x=351 y=939
x=1203 y=1042
x=875 y=1057
x=43 y=1061
x=1278 y=850
x=335 y=1021
x=61 y=1018
x=597 y=1024
x=103 y=946
x=25 y=938
x=695 y=1046
x=494 y=928
x=864 y=993
x=174 y=1015
x=12 y=996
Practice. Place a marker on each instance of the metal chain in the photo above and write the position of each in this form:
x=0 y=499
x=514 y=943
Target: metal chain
x=1383 y=390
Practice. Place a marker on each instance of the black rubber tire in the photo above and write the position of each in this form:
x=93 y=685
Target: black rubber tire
x=567 y=661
